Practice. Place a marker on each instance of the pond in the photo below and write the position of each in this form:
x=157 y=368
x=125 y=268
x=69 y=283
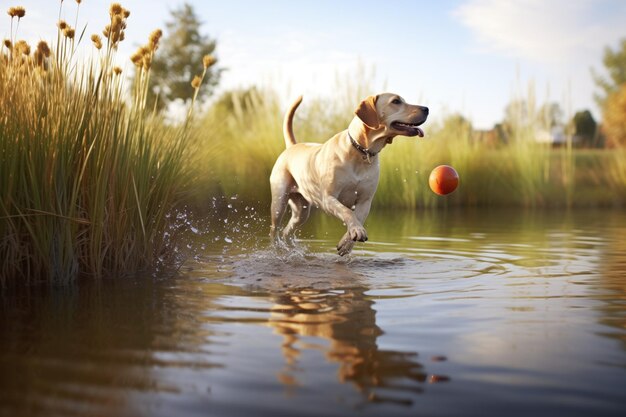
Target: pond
x=450 y=312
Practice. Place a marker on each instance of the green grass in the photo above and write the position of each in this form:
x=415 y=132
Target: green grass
x=242 y=137
x=87 y=177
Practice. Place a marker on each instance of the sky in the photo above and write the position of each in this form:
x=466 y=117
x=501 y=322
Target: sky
x=467 y=56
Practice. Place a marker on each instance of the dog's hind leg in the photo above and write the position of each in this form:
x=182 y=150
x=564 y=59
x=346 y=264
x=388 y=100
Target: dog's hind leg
x=279 y=205
x=281 y=183
x=300 y=210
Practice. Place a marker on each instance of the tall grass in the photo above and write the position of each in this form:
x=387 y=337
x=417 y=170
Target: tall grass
x=242 y=137
x=86 y=177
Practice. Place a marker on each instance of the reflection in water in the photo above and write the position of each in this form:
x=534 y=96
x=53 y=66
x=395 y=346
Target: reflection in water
x=98 y=347
x=613 y=264
x=346 y=319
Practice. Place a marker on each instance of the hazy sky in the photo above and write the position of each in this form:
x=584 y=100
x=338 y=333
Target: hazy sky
x=471 y=56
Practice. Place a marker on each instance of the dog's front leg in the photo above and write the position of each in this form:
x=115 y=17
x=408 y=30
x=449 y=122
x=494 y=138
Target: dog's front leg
x=356 y=231
x=361 y=212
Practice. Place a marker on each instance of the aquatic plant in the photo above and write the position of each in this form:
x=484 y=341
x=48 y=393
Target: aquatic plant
x=241 y=136
x=86 y=177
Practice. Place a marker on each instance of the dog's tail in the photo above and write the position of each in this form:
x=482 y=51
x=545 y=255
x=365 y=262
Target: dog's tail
x=290 y=140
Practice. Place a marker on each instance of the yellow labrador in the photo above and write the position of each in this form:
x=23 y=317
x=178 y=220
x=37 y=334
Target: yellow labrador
x=339 y=176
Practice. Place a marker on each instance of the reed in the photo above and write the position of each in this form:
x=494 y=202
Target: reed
x=242 y=136
x=87 y=177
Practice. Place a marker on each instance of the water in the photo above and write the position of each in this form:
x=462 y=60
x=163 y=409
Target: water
x=448 y=313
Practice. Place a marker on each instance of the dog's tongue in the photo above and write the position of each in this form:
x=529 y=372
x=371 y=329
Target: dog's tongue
x=420 y=132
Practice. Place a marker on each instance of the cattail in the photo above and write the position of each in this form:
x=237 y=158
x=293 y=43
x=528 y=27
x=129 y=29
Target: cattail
x=117 y=70
x=155 y=37
x=62 y=24
x=18 y=12
x=8 y=44
x=22 y=47
x=116 y=9
x=208 y=60
x=97 y=41
x=69 y=32
x=197 y=80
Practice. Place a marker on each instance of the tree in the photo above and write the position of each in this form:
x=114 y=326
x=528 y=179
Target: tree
x=614 y=121
x=550 y=115
x=179 y=59
x=522 y=115
x=615 y=64
x=585 y=127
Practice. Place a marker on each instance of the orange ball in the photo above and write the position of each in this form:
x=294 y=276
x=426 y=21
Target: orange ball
x=443 y=180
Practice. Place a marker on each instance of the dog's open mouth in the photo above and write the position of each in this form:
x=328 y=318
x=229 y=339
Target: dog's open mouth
x=409 y=129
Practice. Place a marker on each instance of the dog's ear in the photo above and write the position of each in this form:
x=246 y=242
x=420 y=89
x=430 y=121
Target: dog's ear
x=367 y=112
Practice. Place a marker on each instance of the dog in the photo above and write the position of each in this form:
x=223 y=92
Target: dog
x=339 y=176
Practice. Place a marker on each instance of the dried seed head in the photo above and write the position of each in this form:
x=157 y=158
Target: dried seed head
x=197 y=80
x=117 y=70
x=126 y=13
x=8 y=44
x=144 y=50
x=116 y=23
x=79 y=1
x=97 y=41
x=115 y=9
x=18 y=12
x=208 y=61
x=137 y=58
x=62 y=24
x=42 y=52
x=43 y=49
x=155 y=37
x=69 y=32
x=107 y=31
x=22 y=47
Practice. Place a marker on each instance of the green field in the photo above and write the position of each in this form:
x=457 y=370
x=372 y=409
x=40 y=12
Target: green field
x=241 y=138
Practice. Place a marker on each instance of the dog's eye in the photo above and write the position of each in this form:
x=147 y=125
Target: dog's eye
x=396 y=101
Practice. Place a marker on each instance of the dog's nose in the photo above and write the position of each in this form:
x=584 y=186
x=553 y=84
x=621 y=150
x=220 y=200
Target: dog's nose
x=425 y=110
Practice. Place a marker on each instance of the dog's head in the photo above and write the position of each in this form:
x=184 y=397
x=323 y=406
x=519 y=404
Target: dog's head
x=389 y=115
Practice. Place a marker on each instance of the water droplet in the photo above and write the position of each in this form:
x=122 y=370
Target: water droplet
x=194 y=230
x=228 y=240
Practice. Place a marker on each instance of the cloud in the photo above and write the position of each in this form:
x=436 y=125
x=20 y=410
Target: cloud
x=556 y=31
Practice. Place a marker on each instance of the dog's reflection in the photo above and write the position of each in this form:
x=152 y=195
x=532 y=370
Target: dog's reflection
x=346 y=318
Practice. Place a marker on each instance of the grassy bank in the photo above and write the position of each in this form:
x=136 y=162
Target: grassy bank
x=87 y=176
x=242 y=136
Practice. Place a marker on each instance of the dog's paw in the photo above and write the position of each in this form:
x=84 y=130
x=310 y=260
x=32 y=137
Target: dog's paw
x=357 y=233
x=345 y=245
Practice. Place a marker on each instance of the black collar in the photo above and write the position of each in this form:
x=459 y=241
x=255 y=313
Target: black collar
x=367 y=154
